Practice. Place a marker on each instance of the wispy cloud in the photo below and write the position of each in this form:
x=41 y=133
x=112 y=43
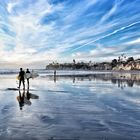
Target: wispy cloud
x=108 y=35
x=134 y=42
x=100 y=53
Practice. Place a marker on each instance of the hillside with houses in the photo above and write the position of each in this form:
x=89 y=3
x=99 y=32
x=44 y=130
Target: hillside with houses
x=122 y=63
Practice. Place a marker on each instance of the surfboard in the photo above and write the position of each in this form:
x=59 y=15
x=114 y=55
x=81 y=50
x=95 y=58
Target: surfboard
x=18 y=77
x=33 y=74
x=12 y=89
x=28 y=75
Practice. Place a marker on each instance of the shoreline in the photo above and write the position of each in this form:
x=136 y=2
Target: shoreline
x=90 y=72
x=72 y=72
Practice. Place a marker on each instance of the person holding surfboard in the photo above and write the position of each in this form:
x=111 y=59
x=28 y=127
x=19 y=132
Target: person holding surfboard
x=21 y=78
x=28 y=77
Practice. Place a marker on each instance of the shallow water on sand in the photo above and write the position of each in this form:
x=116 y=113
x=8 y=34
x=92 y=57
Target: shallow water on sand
x=91 y=107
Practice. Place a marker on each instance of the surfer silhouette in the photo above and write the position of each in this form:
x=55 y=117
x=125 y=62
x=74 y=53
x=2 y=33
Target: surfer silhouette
x=21 y=78
x=28 y=77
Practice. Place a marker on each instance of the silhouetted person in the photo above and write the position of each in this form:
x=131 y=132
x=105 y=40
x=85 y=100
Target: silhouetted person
x=54 y=76
x=54 y=72
x=28 y=77
x=21 y=78
x=20 y=99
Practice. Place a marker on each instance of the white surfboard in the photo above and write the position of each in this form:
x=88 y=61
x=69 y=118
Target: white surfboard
x=28 y=75
x=32 y=74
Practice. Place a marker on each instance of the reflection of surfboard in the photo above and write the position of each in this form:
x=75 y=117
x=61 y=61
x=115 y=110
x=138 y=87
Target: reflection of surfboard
x=33 y=96
x=26 y=101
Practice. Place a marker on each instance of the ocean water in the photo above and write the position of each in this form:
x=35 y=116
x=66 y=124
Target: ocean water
x=71 y=106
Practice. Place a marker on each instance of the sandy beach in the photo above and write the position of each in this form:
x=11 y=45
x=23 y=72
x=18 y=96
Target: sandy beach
x=87 y=107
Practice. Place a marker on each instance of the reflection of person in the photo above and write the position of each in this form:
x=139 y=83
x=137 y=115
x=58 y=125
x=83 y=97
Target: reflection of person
x=20 y=99
x=130 y=83
x=28 y=72
x=74 y=79
x=54 y=76
x=21 y=78
x=28 y=94
x=54 y=79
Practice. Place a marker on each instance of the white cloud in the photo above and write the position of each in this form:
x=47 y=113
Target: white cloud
x=134 y=42
x=100 y=53
x=11 y=5
x=109 y=14
x=112 y=11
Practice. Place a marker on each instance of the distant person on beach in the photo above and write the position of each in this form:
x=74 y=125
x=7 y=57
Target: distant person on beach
x=54 y=72
x=28 y=77
x=21 y=78
x=55 y=76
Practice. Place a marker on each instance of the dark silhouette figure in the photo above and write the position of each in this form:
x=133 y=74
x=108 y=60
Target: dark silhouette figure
x=20 y=99
x=28 y=72
x=54 y=76
x=54 y=72
x=21 y=78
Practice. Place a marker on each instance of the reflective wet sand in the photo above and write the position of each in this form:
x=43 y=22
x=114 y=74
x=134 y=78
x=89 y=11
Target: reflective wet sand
x=88 y=107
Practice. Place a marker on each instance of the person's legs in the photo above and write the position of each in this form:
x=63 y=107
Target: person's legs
x=23 y=84
x=19 y=83
x=28 y=83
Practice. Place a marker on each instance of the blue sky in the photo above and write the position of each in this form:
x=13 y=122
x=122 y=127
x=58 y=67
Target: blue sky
x=36 y=32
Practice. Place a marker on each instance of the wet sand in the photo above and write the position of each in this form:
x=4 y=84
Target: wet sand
x=97 y=107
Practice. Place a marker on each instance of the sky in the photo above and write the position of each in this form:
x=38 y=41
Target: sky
x=34 y=33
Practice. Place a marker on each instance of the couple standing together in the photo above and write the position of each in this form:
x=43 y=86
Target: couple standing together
x=21 y=76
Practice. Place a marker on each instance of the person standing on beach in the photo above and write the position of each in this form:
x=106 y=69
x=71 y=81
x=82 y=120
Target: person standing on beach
x=27 y=76
x=21 y=78
x=55 y=76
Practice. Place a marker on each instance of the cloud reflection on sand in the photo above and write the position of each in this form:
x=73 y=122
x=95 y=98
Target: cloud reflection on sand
x=91 y=107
